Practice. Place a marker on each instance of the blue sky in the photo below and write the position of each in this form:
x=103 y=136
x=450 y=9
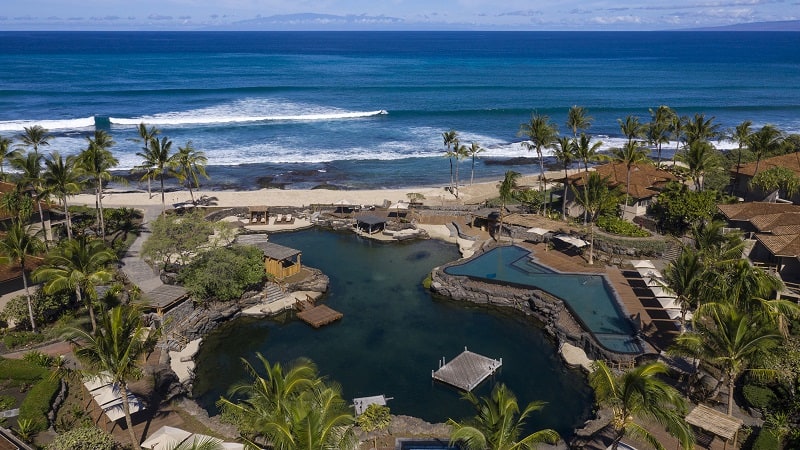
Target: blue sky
x=393 y=14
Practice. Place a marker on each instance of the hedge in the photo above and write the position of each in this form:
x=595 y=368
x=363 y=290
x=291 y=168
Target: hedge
x=14 y=339
x=37 y=403
x=758 y=396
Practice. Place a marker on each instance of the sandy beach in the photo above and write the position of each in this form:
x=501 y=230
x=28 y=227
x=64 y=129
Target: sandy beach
x=433 y=196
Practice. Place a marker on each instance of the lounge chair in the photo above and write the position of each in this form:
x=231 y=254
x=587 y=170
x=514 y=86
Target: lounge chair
x=278 y=219
x=288 y=219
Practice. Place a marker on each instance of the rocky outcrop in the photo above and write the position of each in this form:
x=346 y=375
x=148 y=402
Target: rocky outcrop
x=316 y=281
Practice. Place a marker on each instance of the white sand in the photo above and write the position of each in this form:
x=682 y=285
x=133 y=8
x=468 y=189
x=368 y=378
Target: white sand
x=477 y=193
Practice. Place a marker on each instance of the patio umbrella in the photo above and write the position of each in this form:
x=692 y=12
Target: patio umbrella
x=166 y=437
x=659 y=291
x=642 y=264
x=668 y=302
x=539 y=231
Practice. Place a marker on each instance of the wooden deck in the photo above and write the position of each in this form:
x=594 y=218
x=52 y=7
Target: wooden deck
x=319 y=315
x=467 y=370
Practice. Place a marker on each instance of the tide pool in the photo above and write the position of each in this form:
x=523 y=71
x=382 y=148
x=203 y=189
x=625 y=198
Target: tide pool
x=394 y=333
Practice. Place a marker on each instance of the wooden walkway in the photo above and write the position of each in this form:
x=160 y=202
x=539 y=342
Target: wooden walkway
x=466 y=370
x=319 y=315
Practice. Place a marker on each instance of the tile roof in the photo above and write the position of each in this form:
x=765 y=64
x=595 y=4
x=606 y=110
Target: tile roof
x=781 y=245
x=790 y=161
x=768 y=223
x=646 y=179
x=746 y=211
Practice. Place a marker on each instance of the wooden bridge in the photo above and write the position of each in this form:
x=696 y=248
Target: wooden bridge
x=467 y=370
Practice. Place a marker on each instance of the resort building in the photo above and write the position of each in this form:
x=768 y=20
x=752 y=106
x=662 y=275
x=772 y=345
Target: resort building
x=279 y=262
x=646 y=181
x=745 y=173
x=774 y=232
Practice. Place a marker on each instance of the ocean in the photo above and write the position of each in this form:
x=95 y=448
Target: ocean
x=367 y=109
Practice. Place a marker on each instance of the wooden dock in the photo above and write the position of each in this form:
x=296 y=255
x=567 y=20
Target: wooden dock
x=362 y=403
x=319 y=315
x=467 y=370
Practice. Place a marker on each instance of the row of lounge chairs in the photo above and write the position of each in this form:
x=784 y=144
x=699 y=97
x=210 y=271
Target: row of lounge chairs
x=284 y=219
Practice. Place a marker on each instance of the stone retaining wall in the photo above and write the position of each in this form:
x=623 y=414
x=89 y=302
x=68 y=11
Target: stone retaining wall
x=550 y=311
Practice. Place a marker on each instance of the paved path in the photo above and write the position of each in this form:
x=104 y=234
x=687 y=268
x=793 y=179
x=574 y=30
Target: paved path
x=132 y=265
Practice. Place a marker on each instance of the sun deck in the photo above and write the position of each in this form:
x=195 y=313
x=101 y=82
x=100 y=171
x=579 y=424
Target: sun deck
x=467 y=370
x=319 y=315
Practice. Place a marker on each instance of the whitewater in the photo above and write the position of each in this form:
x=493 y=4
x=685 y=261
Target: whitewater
x=365 y=110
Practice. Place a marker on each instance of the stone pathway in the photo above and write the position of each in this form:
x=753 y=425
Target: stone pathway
x=132 y=265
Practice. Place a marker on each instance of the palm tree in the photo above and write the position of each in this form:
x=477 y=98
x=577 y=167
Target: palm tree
x=30 y=176
x=778 y=180
x=507 y=189
x=375 y=418
x=764 y=142
x=630 y=154
x=115 y=351
x=578 y=120
x=292 y=411
x=157 y=162
x=96 y=162
x=189 y=163
x=658 y=130
x=684 y=278
x=473 y=152
x=564 y=151
x=700 y=157
x=586 y=151
x=460 y=152
x=145 y=136
x=730 y=339
x=62 y=179
x=17 y=204
x=639 y=395
x=677 y=127
x=450 y=138
x=19 y=244
x=81 y=265
x=6 y=154
x=741 y=135
x=541 y=133
x=498 y=423
x=595 y=197
x=631 y=128
x=34 y=137
x=700 y=129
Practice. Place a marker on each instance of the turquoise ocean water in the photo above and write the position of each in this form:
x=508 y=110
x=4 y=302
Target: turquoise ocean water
x=367 y=109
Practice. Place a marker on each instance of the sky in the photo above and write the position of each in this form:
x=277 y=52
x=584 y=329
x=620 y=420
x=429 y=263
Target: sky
x=389 y=14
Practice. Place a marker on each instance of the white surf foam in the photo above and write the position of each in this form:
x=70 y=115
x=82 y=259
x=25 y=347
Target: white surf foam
x=247 y=111
x=51 y=124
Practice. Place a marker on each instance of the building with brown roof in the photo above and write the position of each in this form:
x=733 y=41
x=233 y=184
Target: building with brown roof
x=646 y=181
x=746 y=172
x=776 y=229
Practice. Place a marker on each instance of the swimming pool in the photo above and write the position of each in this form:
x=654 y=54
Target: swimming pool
x=589 y=297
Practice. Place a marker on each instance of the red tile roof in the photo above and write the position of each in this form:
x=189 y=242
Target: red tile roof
x=790 y=161
x=646 y=179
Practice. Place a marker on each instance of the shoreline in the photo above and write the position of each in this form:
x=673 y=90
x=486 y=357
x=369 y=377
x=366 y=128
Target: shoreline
x=478 y=192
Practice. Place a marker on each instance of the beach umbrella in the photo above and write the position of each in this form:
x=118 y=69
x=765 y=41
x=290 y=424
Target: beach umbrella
x=645 y=272
x=668 y=302
x=658 y=291
x=166 y=437
x=539 y=231
x=642 y=264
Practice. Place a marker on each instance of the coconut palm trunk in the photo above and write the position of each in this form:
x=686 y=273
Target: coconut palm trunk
x=29 y=300
x=126 y=409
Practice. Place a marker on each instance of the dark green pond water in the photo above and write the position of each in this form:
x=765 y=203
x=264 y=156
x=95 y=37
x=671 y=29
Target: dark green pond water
x=393 y=334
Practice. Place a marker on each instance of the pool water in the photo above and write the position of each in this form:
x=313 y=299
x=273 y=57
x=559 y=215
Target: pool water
x=393 y=334
x=588 y=296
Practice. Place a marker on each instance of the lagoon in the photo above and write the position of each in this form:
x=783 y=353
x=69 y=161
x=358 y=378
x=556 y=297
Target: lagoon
x=393 y=334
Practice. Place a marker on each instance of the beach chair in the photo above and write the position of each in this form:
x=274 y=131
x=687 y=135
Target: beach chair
x=278 y=219
x=288 y=219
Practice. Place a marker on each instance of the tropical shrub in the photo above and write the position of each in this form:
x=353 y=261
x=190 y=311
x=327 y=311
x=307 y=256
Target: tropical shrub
x=766 y=440
x=84 y=438
x=759 y=396
x=46 y=308
x=224 y=273
x=7 y=402
x=38 y=358
x=14 y=339
x=37 y=403
x=615 y=225
x=678 y=207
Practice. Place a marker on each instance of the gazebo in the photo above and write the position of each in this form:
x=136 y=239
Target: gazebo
x=370 y=224
x=259 y=213
x=715 y=422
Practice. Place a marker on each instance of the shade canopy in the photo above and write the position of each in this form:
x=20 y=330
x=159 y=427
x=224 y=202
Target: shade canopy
x=344 y=202
x=714 y=421
x=642 y=264
x=668 y=302
x=399 y=205
x=579 y=243
x=165 y=437
x=660 y=292
x=539 y=231
x=646 y=272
